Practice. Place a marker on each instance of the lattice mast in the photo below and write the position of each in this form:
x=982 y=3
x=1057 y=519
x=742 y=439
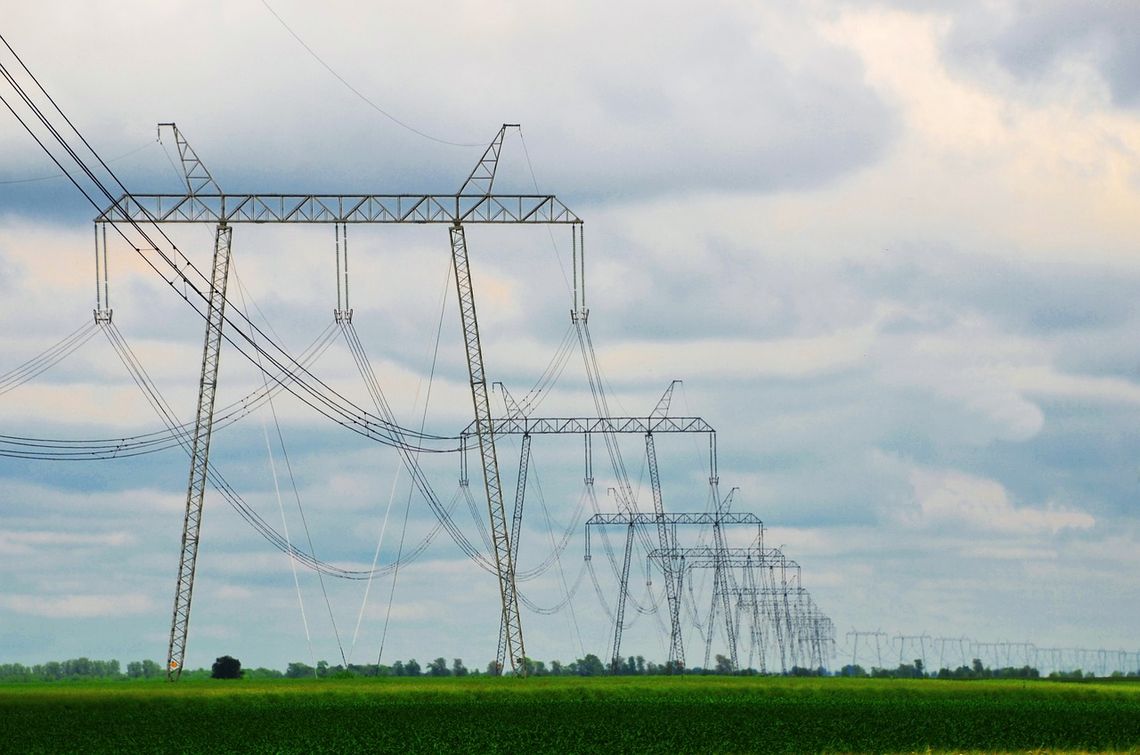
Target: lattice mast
x=198 y=178
x=672 y=575
x=514 y=412
x=204 y=203
x=480 y=181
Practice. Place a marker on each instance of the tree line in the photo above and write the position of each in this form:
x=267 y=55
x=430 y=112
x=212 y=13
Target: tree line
x=80 y=669
x=228 y=667
x=976 y=670
x=77 y=669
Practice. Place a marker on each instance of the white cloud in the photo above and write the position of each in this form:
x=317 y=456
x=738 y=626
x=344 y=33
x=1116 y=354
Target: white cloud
x=947 y=497
x=83 y=606
x=15 y=542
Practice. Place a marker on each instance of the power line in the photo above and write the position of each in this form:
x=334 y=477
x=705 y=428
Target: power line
x=357 y=92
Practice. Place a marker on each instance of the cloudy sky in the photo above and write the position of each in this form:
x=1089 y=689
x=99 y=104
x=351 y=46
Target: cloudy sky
x=889 y=248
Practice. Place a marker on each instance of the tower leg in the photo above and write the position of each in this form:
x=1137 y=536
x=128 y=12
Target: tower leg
x=516 y=529
x=199 y=459
x=669 y=566
x=623 y=590
x=499 y=535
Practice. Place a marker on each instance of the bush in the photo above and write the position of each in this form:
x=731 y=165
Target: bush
x=226 y=667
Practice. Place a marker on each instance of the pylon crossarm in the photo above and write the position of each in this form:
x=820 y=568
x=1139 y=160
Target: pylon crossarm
x=532 y=209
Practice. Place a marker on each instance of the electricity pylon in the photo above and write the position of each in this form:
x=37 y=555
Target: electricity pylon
x=204 y=202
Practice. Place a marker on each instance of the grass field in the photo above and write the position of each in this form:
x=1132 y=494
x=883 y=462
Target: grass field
x=688 y=714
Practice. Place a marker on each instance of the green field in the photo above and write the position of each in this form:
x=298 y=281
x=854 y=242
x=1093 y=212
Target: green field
x=687 y=714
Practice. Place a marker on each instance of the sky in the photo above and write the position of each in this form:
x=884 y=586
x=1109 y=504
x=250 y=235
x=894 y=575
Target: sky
x=888 y=247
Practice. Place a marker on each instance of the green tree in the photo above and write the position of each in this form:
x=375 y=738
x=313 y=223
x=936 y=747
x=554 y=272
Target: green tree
x=591 y=665
x=412 y=668
x=298 y=670
x=438 y=667
x=457 y=667
x=226 y=667
x=723 y=665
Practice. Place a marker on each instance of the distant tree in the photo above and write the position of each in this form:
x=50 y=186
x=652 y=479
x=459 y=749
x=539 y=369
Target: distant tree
x=322 y=669
x=852 y=670
x=411 y=668
x=135 y=670
x=639 y=665
x=438 y=667
x=591 y=665
x=398 y=668
x=919 y=671
x=494 y=668
x=556 y=668
x=723 y=665
x=226 y=667
x=457 y=667
x=298 y=670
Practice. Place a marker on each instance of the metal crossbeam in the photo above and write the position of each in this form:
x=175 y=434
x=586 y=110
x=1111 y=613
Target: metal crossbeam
x=590 y=425
x=671 y=520
x=338 y=208
x=708 y=557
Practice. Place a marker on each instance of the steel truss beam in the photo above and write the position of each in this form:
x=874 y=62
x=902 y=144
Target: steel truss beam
x=591 y=425
x=338 y=208
x=671 y=520
x=706 y=557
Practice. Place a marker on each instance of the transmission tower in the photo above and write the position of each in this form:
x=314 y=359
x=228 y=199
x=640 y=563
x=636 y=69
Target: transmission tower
x=198 y=178
x=913 y=639
x=670 y=521
x=204 y=202
x=876 y=635
x=514 y=412
x=658 y=422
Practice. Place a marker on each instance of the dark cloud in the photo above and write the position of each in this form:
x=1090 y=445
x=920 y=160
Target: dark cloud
x=1032 y=38
x=1025 y=295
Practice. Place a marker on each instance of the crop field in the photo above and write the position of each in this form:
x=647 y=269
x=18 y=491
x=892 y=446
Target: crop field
x=688 y=714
